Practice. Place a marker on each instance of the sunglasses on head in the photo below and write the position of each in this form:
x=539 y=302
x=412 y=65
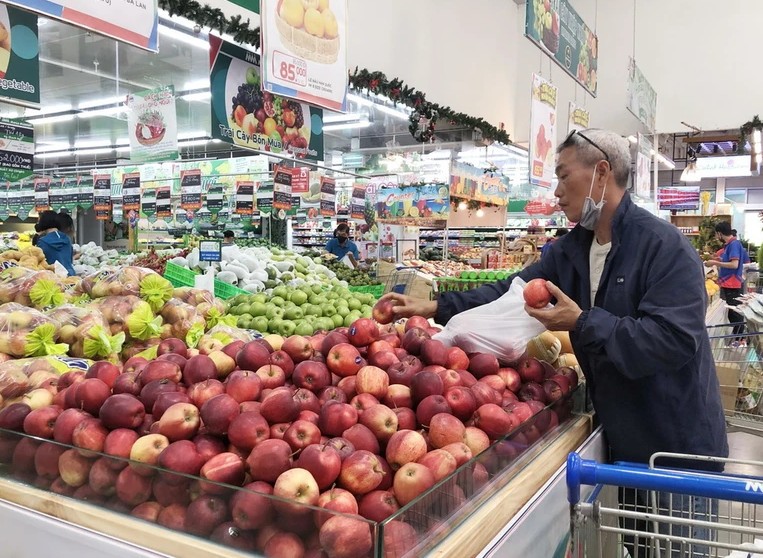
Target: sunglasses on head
x=589 y=140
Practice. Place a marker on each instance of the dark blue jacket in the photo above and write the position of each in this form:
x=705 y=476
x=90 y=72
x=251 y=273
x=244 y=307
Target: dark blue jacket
x=57 y=247
x=643 y=348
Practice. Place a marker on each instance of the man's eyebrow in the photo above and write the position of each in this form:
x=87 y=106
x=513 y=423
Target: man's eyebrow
x=559 y=168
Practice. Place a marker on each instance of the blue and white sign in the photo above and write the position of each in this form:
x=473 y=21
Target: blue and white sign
x=210 y=251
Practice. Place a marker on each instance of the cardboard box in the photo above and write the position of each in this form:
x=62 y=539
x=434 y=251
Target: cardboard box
x=729 y=374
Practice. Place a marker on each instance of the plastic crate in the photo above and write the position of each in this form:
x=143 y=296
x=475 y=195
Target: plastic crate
x=179 y=276
x=225 y=291
x=376 y=290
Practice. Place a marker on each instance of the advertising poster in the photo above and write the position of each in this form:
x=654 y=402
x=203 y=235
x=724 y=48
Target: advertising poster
x=148 y=204
x=244 y=115
x=561 y=33
x=472 y=183
x=130 y=21
x=305 y=50
x=16 y=150
x=25 y=195
x=265 y=204
x=642 y=98
x=244 y=198
x=678 y=198
x=19 y=57
x=214 y=198
x=282 y=188
x=328 y=196
x=413 y=205
x=300 y=180
x=56 y=195
x=163 y=203
x=578 y=118
x=131 y=191
x=85 y=194
x=358 y=202
x=190 y=189
x=643 y=165
x=41 y=194
x=542 y=132
x=152 y=125
x=102 y=196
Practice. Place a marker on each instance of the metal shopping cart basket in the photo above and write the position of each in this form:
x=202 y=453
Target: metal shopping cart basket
x=663 y=513
x=740 y=374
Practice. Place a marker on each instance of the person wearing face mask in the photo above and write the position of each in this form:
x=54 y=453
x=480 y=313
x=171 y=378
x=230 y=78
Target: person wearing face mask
x=341 y=245
x=629 y=289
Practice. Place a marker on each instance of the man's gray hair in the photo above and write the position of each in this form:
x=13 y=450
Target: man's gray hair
x=616 y=148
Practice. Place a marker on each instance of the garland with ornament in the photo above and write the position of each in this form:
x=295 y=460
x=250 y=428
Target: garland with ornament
x=425 y=115
x=746 y=130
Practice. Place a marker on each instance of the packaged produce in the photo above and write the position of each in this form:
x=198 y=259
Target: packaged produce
x=221 y=335
x=210 y=308
x=30 y=287
x=179 y=317
x=131 y=280
x=130 y=315
x=18 y=376
x=26 y=332
x=86 y=331
x=30 y=257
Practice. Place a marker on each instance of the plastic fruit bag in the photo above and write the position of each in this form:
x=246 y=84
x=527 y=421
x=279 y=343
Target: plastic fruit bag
x=25 y=332
x=130 y=315
x=179 y=317
x=210 y=308
x=221 y=335
x=501 y=327
x=86 y=332
x=30 y=288
x=21 y=375
x=131 y=280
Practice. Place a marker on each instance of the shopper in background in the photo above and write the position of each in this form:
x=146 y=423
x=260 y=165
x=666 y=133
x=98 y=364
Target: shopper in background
x=66 y=226
x=56 y=245
x=730 y=269
x=341 y=245
x=560 y=232
x=229 y=238
x=630 y=290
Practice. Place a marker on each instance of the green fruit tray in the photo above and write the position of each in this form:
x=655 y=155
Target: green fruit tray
x=179 y=276
x=225 y=291
x=376 y=290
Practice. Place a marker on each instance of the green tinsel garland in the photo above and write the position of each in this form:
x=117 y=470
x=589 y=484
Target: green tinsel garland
x=425 y=116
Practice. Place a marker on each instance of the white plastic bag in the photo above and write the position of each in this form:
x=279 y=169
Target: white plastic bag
x=501 y=328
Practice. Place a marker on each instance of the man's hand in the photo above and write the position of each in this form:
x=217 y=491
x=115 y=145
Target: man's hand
x=561 y=317
x=407 y=306
x=711 y=263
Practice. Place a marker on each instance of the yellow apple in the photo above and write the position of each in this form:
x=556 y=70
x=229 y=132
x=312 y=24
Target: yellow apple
x=314 y=22
x=330 y=26
x=323 y=5
x=293 y=12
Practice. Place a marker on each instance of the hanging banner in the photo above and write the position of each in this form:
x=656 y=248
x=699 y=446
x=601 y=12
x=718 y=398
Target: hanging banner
x=131 y=191
x=358 y=202
x=148 y=204
x=190 y=189
x=643 y=165
x=244 y=198
x=328 y=196
x=642 y=98
x=542 y=132
x=56 y=194
x=265 y=205
x=558 y=30
x=131 y=21
x=300 y=180
x=282 y=188
x=578 y=118
x=247 y=9
x=413 y=205
x=243 y=115
x=305 y=51
x=5 y=210
x=102 y=196
x=26 y=199
x=16 y=149
x=214 y=199
x=152 y=125
x=163 y=203
x=473 y=183
x=117 y=213
x=69 y=194
x=19 y=57
x=85 y=193
x=41 y=194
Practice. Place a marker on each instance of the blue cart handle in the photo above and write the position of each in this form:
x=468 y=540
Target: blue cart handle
x=726 y=487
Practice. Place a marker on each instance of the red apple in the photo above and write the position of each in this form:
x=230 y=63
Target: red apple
x=41 y=422
x=416 y=322
x=404 y=371
x=283 y=544
x=424 y=384
x=247 y=430
x=127 y=382
x=172 y=517
x=361 y=472
x=363 y=401
x=298 y=348
x=12 y=417
x=346 y=537
x=172 y=346
x=278 y=430
x=223 y=363
x=373 y=380
x=147 y=511
x=118 y=444
x=323 y=462
x=536 y=293
x=105 y=371
x=280 y=406
x=440 y=462
x=445 y=429
x=103 y=477
x=90 y=436
x=483 y=364
x=204 y=514
x=511 y=379
x=335 y=393
x=381 y=420
x=384 y=311
x=383 y=360
x=298 y=485
x=311 y=375
x=224 y=468
x=66 y=423
x=398 y=395
x=218 y=412
x=405 y=446
x=253 y=356
x=336 y=500
x=199 y=368
x=132 y=488
x=406 y=418
x=378 y=505
x=71 y=378
x=476 y=439
x=243 y=385
x=456 y=359
x=46 y=460
x=271 y=376
x=399 y=539
x=363 y=332
x=73 y=467
x=344 y=360
x=494 y=421
x=431 y=406
x=301 y=434
x=461 y=401
x=269 y=459
x=412 y=480
x=460 y=451
x=361 y=437
x=122 y=411
x=166 y=400
x=494 y=381
x=343 y=446
x=249 y=509
x=160 y=370
x=413 y=340
x=90 y=395
x=531 y=370
x=335 y=418
x=202 y=392
x=151 y=391
x=180 y=422
x=434 y=352
x=147 y=449
x=484 y=394
x=232 y=348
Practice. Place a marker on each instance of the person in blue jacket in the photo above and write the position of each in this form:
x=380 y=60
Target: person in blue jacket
x=55 y=244
x=629 y=289
x=730 y=266
x=341 y=244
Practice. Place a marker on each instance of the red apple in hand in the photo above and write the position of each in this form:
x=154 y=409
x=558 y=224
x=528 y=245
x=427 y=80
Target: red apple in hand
x=536 y=294
x=383 y=311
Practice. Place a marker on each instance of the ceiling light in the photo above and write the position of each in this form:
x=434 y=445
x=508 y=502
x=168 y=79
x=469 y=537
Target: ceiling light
x=88 y=144
x=462 y=206
x=192 y=135
x=193 y=143
x=52 y=146
x=123 y=141
x=108 y=111
x=176 y=35
x=347 y=126
x=690 y=173
x=95 y=151
x=51 y=119
x=334 y=118
x=196 y=84
x=124 y=148
x=52 y=155
x=200 y=96
x=480 y=213
x=392 y=112
x=102 y=102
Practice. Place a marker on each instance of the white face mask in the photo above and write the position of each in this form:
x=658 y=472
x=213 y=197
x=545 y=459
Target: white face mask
x=592 y=210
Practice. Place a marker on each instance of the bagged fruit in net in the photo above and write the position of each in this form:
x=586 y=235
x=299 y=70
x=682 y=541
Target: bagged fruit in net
x=131 y=280
x=501 y=327
x=179 y=317
x=135 y=348
x=130 y=315
x=221 y=335
x=17 y=285
x=19 y=376
x=77 y=325
x=25 y=332
x=211 y=309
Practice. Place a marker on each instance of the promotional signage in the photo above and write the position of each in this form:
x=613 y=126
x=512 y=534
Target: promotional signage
x=542 y=132
x=265 y=205
x=244 y=115
x=472 y=183
x=282 y=188
x=300 y=180
x=163 y=203
x=578 y=118
x=131 y=191
x=41 y=194
x=16 y=150
x=85 y=196
x=102 y=196
x=305 y=51
x=244 y=198
x=26 y=198
x=214 y=199
x=678 y=198
x=642 y=98
x=643 y=165
x=724 y=167
x=244 y=8
x=190 y=189
x=130 y=21
x=328 y=196
x=210 y=251
x=358 y=202
x=413 y=205
x=152 y=125
x=64 y=194
x=19 y=57
x=558 y=30
x=148 y=204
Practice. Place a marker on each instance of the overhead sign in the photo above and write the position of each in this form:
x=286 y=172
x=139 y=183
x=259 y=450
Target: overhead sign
x=305 y=51
x=16 y=150
x=542 y=132
x=643 y=165
x=19 y=57
x=642 y=98
x=413 y=205
x=558 y=30
x=578 y=118
x=678 y=198
x=724 y=167
x=130 y=21
x=152 y=125
x=472 y=183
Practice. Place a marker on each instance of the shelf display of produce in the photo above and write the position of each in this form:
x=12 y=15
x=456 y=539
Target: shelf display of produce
x=315 y=234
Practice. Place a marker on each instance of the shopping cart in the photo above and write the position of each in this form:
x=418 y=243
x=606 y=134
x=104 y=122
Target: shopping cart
x=740 y=374
x=400 y=280
x=663 y=513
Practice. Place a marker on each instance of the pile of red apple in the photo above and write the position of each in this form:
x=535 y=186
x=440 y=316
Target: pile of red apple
x=360 y=421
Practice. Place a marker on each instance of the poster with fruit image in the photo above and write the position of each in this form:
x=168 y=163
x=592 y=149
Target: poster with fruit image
x=542 y=132
x=413 y=205
x=328 y=196
x=642 y=98
x=152 y=125
x=578 y=118
x=558 y=30
x=245 y=116
x=304 y=46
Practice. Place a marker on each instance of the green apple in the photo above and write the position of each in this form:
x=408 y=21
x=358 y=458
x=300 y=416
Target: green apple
x=286 y=329
x=304 y=328
x=354 y=304
x=328 y=309
x=260 y=324
x=342 y=311
x=260 y=298
x=317 y=289
x=348 y=320
x=293 y=313
x=258 y=309
x=278 y=301
x=338 y=320
x=274 y=312
x=324 y=323
x=274 y=324
x=313 y=310
x=281 y=291
x=298 y=297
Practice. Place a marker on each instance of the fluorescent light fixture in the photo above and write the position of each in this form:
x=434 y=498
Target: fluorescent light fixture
x=123 y=141
x=108 y=111
x=192 y=143
x=334 y=118
x=392 y=112
x=95 y=151
x=123 y=148
x=186 y=38
x=53 y=146
x=200 y=96
x=88 y=144
x=52 y=119
x=192 y=135
x=196 y=84
x=102 y=102
x=52 y=155
x=347 y=126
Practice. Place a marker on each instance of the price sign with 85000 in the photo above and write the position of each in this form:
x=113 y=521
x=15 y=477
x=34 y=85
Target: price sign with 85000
x=290 y=68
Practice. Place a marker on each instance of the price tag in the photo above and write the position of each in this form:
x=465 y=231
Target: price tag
x=210 y=251
x=289 y=68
